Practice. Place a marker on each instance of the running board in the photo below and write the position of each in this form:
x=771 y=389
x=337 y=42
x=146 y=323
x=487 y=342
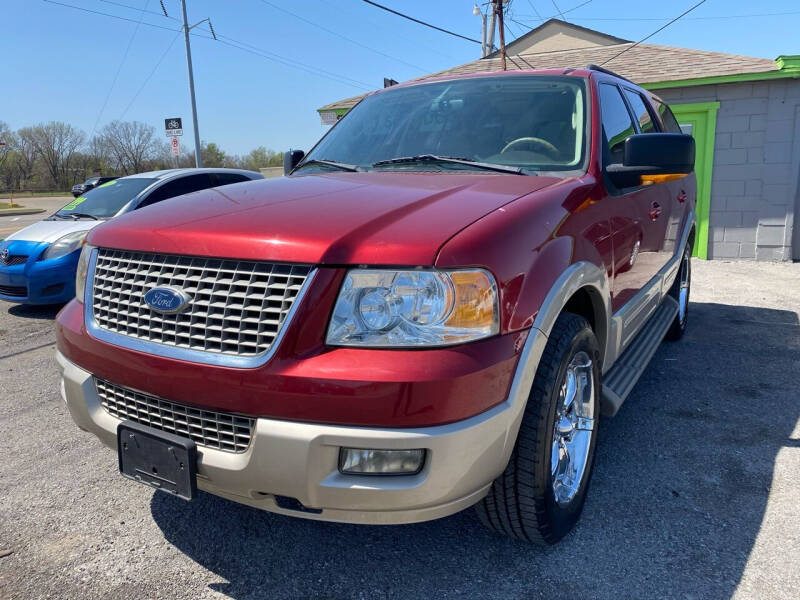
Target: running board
x=619 y=381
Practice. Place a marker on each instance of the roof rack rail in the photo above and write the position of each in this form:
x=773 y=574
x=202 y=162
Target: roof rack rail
x=607 y=72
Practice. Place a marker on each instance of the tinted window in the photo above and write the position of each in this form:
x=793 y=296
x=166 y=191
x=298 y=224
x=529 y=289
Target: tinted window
x=178 y=187
x=107 y=199
x=617 y=123
x=534 y=122
x=667 y=118
x=228 y=178
x=646 y=124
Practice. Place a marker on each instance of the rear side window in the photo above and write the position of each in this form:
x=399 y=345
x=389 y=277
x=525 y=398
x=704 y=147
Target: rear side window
x=228 y=178
x=640 y=111
x=177 y=187
x=667 y=118
x=617 y=123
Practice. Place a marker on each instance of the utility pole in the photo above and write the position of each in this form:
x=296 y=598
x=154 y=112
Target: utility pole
x=198 y=159
x=490 y=38
x=498 y=9
x=479 y=13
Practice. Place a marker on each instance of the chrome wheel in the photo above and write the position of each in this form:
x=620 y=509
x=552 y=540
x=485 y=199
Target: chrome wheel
x=573 y=428
x=683 y=290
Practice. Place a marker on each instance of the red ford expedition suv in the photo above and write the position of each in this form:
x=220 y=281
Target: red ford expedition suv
x=430 y=311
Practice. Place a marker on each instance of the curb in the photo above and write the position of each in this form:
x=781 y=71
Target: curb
x=21 y=211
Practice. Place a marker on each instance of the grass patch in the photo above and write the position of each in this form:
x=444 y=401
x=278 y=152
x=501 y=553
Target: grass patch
x=35 y=194
x=7 y=205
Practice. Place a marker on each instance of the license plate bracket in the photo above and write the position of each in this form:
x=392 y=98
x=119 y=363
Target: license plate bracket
x=158 y=459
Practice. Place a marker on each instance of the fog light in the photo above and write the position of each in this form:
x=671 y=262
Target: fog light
x=356 y=461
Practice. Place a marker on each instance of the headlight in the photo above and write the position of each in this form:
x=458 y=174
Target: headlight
x=383 y=308
x=65 y=244
x=83 y=270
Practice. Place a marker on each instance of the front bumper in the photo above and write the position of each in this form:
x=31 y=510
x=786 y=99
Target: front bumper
x=38 y=281
x=299 y=461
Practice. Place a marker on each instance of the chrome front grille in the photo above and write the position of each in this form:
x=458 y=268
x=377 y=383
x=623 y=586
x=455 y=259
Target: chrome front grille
x=218 y=430
x=237 y=308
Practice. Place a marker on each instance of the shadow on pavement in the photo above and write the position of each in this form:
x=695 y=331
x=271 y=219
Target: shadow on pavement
x=29 y=311
x=679 y=492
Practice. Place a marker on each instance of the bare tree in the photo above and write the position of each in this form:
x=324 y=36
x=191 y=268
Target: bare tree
x=6 y=143
x=25 y=155
x=131 y=145
x=57 y=144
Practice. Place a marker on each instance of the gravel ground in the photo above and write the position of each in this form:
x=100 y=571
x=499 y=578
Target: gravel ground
x=695 y=493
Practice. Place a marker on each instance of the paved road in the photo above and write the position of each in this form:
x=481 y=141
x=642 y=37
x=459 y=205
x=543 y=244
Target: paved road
x=11 y=223
x=695 y=494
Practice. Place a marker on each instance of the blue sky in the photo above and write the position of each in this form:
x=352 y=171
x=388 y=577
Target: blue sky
x=59 y=63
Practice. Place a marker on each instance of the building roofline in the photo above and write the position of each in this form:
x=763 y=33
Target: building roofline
x=532 y=32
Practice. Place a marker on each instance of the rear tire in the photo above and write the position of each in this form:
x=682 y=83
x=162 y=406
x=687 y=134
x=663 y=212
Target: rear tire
x=538 y=498
x=680 y=291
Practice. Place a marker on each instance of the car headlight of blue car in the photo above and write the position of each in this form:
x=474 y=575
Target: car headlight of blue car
x=65 y=244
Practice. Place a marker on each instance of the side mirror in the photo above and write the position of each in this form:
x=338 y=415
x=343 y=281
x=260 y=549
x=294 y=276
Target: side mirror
x=653 y=158
x=290 y=160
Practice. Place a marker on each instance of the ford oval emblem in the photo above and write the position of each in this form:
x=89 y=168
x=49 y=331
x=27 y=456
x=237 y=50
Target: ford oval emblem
x=167 y=300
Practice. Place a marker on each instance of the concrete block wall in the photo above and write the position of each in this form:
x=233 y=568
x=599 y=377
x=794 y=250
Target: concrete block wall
x=755 y=188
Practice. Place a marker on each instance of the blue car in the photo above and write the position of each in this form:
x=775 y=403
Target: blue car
x=38 y=263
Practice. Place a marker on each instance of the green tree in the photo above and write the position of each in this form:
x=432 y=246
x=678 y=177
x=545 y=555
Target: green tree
x=213 y=155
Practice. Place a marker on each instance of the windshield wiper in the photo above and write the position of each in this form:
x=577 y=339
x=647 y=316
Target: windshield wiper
x=76 y=216
x=449 y=159
x=328 y=163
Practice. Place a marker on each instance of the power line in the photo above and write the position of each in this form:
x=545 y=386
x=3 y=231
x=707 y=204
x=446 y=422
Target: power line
x=150 y=76
x=365 y=21
x=97 y=12
x=274 y=57
x=399 y=14
x=561 y=13
x=662 y=28
x=137 y=9
x=344 y=37
x=709 y=18
x=536 y=12
x=563 y=18
x=245 y=47
x=119 y=69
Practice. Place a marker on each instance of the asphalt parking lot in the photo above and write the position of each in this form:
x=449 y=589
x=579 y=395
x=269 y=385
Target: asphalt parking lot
x=11 y=223
x=695 y=493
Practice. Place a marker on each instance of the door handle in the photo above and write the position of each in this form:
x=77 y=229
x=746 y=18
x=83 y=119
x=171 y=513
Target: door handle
x=682 y=197
x=655 y=211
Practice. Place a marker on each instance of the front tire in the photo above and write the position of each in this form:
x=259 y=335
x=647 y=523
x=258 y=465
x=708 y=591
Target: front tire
x=680 y=291
x=540 y=495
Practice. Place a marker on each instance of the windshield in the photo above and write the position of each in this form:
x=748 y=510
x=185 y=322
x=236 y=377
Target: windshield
x=534 y=122
x=104 y=201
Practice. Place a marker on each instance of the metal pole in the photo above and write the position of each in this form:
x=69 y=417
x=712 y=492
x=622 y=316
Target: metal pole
x=198 y=159
x=490 y=40
x=484 y=52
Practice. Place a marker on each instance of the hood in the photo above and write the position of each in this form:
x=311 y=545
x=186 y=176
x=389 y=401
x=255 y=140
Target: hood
x=50 y=231
x=337 y=218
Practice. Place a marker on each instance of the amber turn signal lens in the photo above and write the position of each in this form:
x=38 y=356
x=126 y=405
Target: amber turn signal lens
x=663 y=178
x=474 y=306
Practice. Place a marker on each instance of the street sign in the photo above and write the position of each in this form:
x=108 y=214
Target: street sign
x=173 y=127
x=176 y=147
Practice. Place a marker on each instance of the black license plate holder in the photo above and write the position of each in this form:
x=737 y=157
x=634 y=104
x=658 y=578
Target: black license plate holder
x=158 y=459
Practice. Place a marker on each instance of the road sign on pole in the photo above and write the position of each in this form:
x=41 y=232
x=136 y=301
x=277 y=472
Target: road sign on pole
x=173 y=127
x=176 y=147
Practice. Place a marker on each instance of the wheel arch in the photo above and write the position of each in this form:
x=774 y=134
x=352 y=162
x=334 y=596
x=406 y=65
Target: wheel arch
x=582 y=289
x=587 y=302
